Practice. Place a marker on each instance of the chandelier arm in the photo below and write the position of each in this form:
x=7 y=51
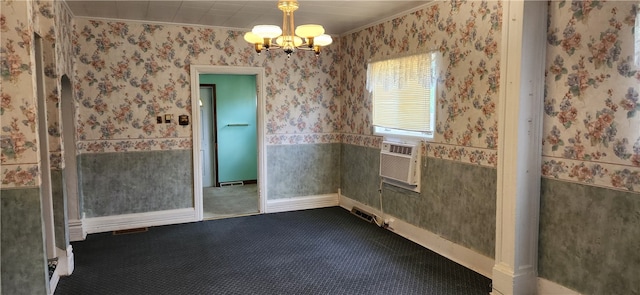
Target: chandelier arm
x=310 y=42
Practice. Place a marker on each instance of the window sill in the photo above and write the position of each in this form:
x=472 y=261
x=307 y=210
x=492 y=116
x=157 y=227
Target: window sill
x=398 y=135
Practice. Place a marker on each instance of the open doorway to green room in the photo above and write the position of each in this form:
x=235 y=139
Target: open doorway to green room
x=228 y=141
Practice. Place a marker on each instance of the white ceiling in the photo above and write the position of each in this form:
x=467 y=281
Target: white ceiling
x=338 y=17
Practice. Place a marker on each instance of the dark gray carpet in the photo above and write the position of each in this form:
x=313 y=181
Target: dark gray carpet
x=321 y=251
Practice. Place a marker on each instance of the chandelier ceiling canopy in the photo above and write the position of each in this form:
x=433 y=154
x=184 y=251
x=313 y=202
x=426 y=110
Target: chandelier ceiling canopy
x=305 y=37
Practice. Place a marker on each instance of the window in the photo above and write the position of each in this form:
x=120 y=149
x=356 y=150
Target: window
x=403 y=95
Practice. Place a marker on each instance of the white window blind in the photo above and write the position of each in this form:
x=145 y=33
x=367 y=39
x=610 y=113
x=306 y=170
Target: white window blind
x=403 y=92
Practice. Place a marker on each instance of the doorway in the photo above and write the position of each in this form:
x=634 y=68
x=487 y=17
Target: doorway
x=218 y=123
x=228 y=112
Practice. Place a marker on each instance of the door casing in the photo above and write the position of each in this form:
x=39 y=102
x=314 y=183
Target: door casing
x=210 y=105
x=196 y=71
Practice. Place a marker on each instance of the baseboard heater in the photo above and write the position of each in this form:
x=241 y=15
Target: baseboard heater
x=231 y=183
x=130 y=231
x=366 y=216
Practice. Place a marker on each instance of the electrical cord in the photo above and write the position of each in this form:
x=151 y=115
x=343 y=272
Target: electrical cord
x=380 y=223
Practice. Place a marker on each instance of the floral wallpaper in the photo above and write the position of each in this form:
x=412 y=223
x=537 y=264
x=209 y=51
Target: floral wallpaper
x=19 y=20
x=18 y=135
x=592 y=113
x=284 y=139
x=127 y=73
x=63 y=36
x=63 y=66
x=466 y=36
x=43 y=16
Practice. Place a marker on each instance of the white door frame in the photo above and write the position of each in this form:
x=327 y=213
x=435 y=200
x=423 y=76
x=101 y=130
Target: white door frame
x=196 y=71
x=43 y=149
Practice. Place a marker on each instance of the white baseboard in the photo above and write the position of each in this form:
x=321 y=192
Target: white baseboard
x=546 y=287
x=76 y=232
x=462 y=255
x=137 y=220
x=65 y=261
x=53 y=282
x=301 y=203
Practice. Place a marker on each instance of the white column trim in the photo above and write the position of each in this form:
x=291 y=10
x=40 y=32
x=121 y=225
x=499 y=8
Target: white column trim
x=519 y=147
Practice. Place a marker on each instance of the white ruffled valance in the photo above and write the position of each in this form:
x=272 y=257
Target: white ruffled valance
x=391 y=73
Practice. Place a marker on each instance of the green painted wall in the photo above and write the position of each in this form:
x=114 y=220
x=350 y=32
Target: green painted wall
x=236 y=103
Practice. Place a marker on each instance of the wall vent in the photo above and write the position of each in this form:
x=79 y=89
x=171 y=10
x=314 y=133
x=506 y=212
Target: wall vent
x=130 y=231
x=400 y=164
x=366 y=216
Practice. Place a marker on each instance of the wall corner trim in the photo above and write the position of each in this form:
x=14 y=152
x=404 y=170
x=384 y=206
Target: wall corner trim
x=136 y=220
x=460 y=254
x=302 y=203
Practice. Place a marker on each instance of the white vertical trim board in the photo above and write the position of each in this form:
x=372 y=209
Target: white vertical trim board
x=137 y=220
x=460 y=254
x=302 y=203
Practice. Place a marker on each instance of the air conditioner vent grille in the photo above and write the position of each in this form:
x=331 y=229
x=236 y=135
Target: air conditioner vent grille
x=399 y=149
x=395 y=167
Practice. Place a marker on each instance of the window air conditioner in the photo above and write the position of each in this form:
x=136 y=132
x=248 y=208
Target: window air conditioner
x=400 y=165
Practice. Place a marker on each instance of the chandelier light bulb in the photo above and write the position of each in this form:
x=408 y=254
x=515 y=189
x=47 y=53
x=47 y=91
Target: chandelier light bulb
x=252 y=38
x=307 y=31
x=267 y=31
x=323 y=40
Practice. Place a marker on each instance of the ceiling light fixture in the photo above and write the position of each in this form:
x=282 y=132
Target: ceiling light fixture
x=309 y=37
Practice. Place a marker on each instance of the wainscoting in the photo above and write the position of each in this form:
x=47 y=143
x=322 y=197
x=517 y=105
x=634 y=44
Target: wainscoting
x=434 y=242
x=457 y=200
x=22 y=243
x=589 y=238
x=302 y=170
x=135 y=182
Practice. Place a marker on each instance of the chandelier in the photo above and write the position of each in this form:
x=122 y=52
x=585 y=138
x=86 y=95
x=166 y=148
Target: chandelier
x=306 y=37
